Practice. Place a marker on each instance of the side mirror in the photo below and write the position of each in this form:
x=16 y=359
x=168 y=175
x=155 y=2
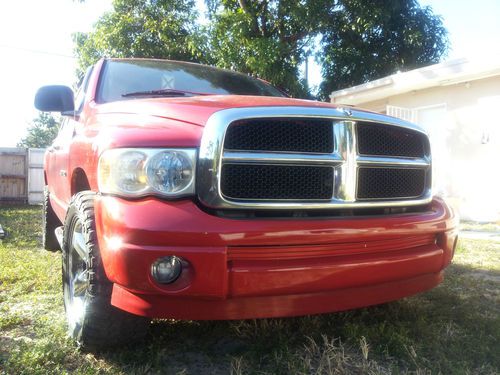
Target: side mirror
x=55 y=99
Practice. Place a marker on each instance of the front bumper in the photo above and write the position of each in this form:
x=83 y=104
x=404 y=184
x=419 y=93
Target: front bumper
x=260 y=268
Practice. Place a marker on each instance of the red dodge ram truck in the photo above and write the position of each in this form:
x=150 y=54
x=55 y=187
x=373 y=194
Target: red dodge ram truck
x=177 y=190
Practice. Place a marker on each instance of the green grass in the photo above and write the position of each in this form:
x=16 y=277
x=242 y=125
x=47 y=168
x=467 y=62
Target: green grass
x=481 y=227
x=453 y=329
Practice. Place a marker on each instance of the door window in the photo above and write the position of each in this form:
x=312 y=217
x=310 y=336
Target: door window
x=82 y=90
x=66 y=132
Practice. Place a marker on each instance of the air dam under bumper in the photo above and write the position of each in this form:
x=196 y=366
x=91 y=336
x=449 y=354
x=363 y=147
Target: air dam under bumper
x=260 y=268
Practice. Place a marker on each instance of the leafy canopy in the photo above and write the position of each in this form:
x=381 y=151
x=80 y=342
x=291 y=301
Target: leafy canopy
x=268 y=38
x=41 y=132
x=366 y=40
x=354 y=41
x=147 y=28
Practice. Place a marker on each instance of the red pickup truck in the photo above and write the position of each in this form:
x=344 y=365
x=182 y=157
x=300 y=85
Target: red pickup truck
x=177 y=190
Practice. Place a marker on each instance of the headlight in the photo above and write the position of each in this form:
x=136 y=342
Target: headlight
x=135 y=172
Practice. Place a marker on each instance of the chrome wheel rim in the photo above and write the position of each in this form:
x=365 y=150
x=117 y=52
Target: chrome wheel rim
x=77 y=281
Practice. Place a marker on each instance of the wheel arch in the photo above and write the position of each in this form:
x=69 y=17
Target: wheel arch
x=79 y=181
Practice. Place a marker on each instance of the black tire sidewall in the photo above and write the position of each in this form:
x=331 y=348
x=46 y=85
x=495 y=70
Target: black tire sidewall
x=49 y=224
x=71 y=220
x=98 y=294
x=103 y=325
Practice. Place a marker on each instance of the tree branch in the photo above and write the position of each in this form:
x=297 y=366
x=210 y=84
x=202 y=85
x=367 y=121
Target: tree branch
x=246 y=8
x=295 y=37
x=263 y=19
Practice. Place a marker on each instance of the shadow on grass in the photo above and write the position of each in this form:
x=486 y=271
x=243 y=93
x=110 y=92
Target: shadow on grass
x=451 y=329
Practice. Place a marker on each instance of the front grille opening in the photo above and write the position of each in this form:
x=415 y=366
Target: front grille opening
x=285 y=135
x=386 y=140
x=390 y=183
x=275 y=182
x=317 y=214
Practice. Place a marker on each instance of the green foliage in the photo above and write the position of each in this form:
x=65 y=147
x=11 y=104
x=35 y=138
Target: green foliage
x=41 y=132
x=149 y=28
x=354 y=40
x=366 y=40
x=360 y=40
x=268 y=38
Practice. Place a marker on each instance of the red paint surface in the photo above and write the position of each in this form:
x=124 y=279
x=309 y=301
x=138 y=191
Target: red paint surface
x=245 y=264
x=237 y=268
x=271 y=306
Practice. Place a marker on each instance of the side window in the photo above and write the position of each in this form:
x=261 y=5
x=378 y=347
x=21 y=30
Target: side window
x=82 y=90
x=65 y=133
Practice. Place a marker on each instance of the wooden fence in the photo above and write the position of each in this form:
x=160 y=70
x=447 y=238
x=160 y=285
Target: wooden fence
x=21 y=175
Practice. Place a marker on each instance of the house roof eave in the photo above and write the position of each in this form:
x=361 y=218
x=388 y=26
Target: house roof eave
x=442 y=74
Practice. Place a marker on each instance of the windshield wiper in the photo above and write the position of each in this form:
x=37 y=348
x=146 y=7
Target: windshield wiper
x=162 y=92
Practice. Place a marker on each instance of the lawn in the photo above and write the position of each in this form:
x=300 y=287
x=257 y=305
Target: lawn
x=453 y=329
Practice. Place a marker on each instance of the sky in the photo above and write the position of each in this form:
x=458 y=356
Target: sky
x=36 y=47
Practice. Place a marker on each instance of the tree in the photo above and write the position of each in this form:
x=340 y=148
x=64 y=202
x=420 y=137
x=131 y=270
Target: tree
x=366 y=40
x=268 y=38
x=354 y=41
x=360 y=40
x=147 y=28
x=42 y=132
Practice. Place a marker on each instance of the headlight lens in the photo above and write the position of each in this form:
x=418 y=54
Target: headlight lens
x=169 y=172
x=140 y=172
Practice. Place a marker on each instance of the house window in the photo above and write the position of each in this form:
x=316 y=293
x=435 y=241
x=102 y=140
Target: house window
x=408 y=114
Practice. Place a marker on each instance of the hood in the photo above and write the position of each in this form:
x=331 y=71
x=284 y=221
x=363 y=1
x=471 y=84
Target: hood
x=197 y=109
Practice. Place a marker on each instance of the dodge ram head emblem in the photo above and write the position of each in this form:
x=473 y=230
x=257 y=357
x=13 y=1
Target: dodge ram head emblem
x=347 y=111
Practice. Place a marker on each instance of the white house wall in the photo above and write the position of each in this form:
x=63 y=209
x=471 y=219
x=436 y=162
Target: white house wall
x=467 y=144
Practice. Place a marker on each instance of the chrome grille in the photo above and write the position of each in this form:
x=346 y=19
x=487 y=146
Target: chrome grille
x=386 y=140
x=390 y=183
x=247 y=181
x=245 y=169
x=271 y=134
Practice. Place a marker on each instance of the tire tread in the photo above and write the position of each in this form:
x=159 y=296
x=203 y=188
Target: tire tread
x=104 y=325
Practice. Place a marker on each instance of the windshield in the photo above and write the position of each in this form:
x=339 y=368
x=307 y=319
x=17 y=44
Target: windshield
x=124 y=77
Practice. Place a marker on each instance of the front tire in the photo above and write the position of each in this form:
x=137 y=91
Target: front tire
x=92 y=321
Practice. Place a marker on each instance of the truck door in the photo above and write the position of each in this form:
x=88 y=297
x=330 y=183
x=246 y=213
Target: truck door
x=59 y=176
x=60 y=151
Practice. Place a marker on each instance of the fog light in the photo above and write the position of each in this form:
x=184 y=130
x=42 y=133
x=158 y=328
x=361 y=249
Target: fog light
x=166 y=270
